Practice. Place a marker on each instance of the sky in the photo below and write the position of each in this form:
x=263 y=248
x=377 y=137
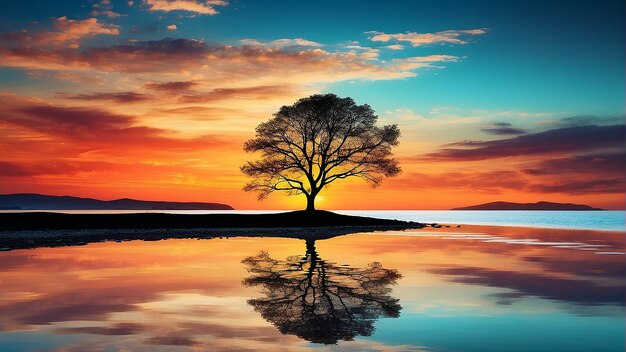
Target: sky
x=153 y=99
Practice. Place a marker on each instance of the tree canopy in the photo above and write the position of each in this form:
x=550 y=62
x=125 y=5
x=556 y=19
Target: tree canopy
x=316 y=141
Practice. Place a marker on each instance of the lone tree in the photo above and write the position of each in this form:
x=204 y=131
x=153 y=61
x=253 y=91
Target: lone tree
x=316 y=141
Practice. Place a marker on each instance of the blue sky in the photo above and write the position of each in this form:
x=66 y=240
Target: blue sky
x=538 y=56
x=175 y=87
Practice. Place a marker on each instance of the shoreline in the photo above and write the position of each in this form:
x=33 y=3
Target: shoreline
x=66 y=221
x=44 y=229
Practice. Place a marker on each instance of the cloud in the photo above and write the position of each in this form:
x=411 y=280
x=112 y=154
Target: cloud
x=172 y=27
x=395 y=47
x=613 y=185
x=576 y=121
x=91 y=129
x=502 y=128
x=416 y=62
x=107 y=13
x=51 y=167
x=611 y=163
x=571 y=160
x=118 y=97
x=281 y=43
x=596 y=173
x=203 y=113
x=420 y=39
x=75 y=29
x=170 y=86
x=258 y=92
x=183 y=93
x=206 y=7
x=561 y=140
x=365 y=52
x=600 y=173
x=67 y=31
x=486 y=182
x=222 y=63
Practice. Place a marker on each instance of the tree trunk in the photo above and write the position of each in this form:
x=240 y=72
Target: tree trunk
x=310 y=248
x=310 y=203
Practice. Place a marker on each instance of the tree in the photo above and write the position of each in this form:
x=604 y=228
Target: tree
x=316 y=141
x=320 y=301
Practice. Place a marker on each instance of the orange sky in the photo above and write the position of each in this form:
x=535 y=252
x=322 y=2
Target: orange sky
x=158 y=152
x=92 y=108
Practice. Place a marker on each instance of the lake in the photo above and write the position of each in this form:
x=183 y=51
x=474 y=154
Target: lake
x=468 y=288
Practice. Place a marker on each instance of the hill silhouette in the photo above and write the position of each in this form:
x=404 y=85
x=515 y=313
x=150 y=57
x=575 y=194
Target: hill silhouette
x=35 y=201
x=527 y=206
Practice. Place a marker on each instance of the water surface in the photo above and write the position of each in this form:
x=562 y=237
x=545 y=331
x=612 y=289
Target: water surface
x=613 y=220
x=473 y=288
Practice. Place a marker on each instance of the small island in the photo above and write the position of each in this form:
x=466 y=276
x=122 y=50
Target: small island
x=543 y=205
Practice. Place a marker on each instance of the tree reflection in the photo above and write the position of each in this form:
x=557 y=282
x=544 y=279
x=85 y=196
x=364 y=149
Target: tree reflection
x=320 y=301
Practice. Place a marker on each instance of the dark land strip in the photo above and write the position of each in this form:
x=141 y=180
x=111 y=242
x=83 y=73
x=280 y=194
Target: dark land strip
x=44 y=229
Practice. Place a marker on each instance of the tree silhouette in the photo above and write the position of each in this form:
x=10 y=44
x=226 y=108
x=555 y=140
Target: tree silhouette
x=316 y=141
x=320 y=301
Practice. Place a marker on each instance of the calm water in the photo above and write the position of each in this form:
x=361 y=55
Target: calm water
x=474 y=288
x=591 y=220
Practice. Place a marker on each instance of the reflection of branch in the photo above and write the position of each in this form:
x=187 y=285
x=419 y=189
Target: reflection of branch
x=319 y=301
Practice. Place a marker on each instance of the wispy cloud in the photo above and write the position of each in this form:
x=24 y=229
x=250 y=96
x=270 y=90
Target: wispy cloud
x=562 y=140
x=104 y=8
x=596 y=185
x=66 y=31
x=502 y=128
x=579 y=160
x=119 y=97
x=177 y=86
x=481 y=182
x=254 y=93
x=395 y=46
x=222 y=63
x=106 y=13
x=95 y=128
x=206 y=7
x=51 y=167
x=420 y=39
x=281 y=43
x=612 y=162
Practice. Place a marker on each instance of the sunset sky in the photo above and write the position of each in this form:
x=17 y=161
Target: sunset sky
x=153 y=99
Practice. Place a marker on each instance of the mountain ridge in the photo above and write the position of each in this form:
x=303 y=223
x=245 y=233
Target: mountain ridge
x=36 y=201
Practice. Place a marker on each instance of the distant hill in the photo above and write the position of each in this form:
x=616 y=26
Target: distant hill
x=28 y=201
x=527 y=206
